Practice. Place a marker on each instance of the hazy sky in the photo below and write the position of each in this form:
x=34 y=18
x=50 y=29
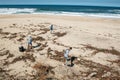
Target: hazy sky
x=63 y=2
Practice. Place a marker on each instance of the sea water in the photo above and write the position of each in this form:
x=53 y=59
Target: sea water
x=73 y=10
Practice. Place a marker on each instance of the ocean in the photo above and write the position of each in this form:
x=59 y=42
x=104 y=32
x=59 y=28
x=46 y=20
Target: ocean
x=73 y=10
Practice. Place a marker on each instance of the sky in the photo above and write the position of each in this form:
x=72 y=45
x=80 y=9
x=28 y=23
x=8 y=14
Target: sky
x=64 y=2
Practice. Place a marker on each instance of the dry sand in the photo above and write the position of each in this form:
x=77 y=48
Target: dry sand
x=95 y=43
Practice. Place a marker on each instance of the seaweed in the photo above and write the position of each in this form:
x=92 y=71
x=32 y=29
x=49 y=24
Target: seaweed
x=42 y=46
x=99 y=69
x=43 y=71
x=38 y=38
x=58 y=34
x=45 y=30
x=26 y=57
x=59 y=56
x=96 y=50
x=4 y=52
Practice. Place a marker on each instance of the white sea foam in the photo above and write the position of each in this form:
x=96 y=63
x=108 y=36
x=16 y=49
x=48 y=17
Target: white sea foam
x=106 y=15
x=115 y=10
x=16 y=10
x=34 y=11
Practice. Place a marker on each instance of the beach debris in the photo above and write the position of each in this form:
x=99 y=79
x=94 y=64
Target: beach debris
x=13 y=35
x=45 y=30
x=49 y=54
x=93 y=74
x=97 y=70
x=43 y=71
x=42 y=46
x=14 y=24
x=5 y=75
x=6 y=63
x=10 y=55
x=59 y=34
x=4 y=33
x=97 y=50
x=111 y=78
x=60 y=44
x=21 y=37
x=41 y=25
x=8 y=35
x=4 y=52
x=72 y=76
x=107 y=74
x=70 y=26
x=2 y=49
x=0 y=30
x=59 y=53
x=115 y=61
x=38 y=38
x=24 y=58
x=59 y=56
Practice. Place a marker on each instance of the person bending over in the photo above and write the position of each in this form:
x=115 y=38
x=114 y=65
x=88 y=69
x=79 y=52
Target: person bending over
x=66 y=55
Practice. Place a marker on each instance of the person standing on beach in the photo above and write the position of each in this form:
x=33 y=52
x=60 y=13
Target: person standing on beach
x=66 y=55
x=51 y=29
x=29 y=42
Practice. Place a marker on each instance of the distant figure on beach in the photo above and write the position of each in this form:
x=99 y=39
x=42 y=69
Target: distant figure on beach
x=29 y=42
x=66 y=55
x=51 y=29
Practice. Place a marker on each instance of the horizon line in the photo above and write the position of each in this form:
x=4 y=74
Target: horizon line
x=62 y=5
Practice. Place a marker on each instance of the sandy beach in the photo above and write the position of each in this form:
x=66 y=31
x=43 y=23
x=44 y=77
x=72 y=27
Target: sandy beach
x=95 y=42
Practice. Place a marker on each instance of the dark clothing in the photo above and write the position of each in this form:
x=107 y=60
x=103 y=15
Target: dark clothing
x=51 y=27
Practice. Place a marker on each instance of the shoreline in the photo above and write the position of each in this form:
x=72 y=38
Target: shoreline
x=67 y=15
